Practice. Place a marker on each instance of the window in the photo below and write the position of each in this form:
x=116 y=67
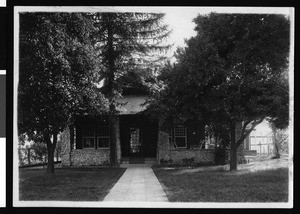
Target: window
x=88 y=137
x=180 y=137
x=135 y=143
x=103 y=137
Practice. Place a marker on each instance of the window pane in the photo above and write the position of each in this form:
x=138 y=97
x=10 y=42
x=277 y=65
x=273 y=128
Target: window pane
x=88 y=132
x=180 y=132
x=88 y=142
x=103 y=142
x=180 y=141
x=103 y=131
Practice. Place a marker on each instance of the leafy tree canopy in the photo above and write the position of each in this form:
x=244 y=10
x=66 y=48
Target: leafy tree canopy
x=233 y=69
x=58 y=69
x=58 y=66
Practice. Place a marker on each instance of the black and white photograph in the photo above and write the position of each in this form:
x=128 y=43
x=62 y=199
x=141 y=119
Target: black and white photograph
x=153 y=107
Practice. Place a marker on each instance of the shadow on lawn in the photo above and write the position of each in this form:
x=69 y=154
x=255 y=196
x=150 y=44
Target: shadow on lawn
x=67 y=184
x=262 y=180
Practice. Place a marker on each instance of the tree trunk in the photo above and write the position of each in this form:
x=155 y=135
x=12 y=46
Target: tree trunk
x=111 y=96
x=233 y=148
x=50 y=163
x=113 y=141
x=275 y=142
x=233 y=158
x=277 y=153
x=51 y=149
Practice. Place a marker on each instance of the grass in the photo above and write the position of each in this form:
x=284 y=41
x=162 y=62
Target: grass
x=67 y=184
x=226 y=186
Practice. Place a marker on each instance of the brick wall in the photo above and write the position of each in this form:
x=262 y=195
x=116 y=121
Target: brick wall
x=167 y=152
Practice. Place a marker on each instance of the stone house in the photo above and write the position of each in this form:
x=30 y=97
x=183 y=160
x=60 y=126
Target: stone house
x=139 y=139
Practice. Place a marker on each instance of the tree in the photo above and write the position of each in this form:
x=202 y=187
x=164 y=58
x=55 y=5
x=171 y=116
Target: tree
x=280 y=141
x=57 y=72
x=128 y=43
x=233 y=72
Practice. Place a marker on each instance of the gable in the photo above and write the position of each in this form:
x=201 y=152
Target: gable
x=131 y=104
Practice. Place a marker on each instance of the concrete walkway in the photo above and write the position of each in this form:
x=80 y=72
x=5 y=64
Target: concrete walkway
x=138 y=183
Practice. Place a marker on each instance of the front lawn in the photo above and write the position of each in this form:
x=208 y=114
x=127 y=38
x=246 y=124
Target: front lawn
x=67 y=184
x=226 y=186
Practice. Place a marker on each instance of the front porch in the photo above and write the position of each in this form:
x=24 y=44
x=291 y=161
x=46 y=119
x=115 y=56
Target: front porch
x=88 y=141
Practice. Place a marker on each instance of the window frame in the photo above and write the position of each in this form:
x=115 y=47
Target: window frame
x=185 y=136
x=103 y=137
x=84 y=137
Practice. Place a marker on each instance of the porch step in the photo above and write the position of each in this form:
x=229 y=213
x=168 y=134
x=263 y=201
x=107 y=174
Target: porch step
x=138 y=160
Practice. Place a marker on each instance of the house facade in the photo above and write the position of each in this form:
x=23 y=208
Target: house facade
x=140 y=139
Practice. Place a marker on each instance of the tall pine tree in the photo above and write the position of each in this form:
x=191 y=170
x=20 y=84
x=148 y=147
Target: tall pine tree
x=127 y=42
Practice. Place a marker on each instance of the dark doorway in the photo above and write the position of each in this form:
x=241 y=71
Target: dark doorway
x=138 y=136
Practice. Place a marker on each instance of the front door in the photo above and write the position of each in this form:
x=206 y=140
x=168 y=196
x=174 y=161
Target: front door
x=135 y=142
x=138 y=136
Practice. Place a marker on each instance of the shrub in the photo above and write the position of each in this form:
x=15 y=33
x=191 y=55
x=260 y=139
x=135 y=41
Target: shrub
x=221 y=157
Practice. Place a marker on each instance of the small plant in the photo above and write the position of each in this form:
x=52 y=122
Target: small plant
x=188 y=161
x=241 y=158
x=166 y=162
x=220 y=156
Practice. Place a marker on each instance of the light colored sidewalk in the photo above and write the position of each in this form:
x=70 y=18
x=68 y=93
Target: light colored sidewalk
x=138 y=183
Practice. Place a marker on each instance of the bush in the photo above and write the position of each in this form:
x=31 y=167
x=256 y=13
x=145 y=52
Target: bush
x=166 y=162
x=221 y=157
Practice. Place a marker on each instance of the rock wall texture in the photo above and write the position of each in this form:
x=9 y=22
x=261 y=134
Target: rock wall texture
x=81 y=157
x=85 y=157
x=167 y=153
x=90 y=157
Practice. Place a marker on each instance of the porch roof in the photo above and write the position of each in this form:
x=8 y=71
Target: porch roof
x=131 y=104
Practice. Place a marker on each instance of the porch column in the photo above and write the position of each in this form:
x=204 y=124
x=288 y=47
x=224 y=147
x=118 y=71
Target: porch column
x=118 y=141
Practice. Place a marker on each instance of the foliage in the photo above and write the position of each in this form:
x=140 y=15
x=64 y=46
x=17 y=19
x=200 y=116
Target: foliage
x=57 y=68
x=36 y=151
x=137 y=47
x=233 y=71
x=252 y=51
x=40 y=151
x=57 y=72
x=220 y=132
x=220 y=156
